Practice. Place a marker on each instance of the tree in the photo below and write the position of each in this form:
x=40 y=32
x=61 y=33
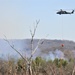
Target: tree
x=29 y=60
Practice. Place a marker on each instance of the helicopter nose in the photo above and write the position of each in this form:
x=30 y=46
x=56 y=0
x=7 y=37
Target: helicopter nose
x=57 y=13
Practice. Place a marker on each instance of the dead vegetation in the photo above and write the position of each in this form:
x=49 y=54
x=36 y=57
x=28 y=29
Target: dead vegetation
x=39 y=66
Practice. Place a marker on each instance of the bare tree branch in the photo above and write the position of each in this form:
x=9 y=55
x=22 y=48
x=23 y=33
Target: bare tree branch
x=33 y=34
x=39 y=42
x=73 y=70
x=12 y=46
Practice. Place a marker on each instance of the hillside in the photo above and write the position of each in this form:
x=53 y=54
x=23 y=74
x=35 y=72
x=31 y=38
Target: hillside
x=49 y=48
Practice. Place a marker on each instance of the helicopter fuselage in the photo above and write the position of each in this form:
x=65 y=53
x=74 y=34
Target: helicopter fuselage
x=64 y=12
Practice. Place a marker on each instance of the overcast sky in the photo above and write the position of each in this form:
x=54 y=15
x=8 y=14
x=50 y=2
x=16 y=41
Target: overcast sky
x=17 y=17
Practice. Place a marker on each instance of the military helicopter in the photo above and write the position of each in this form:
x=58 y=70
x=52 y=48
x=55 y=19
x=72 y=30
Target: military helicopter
x=64 y=12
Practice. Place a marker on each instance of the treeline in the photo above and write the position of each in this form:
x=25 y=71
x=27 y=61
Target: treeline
x=39 y=65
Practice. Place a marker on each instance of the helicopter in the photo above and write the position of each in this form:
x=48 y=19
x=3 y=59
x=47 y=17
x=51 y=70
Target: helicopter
x=64 y=12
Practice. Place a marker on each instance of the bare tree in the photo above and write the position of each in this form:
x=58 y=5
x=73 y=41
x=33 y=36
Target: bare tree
x=73 y=70
x=28 y=61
